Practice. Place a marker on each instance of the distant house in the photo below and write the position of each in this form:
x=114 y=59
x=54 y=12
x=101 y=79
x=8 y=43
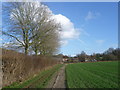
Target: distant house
x=65 y=58
x=75 y=59
x=94 y=60
x=86 y=60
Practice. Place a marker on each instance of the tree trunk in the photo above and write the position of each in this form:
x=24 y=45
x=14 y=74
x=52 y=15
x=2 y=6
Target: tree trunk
x=26 y=42
x=36 y=52
x=26 y=50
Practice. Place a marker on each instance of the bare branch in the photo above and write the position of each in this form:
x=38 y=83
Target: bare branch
x=13 y=37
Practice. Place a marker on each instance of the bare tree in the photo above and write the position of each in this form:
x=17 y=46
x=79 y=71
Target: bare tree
x=48 y=40
x=31 y=26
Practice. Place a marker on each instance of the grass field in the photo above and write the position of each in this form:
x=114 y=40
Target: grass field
x=39 y=81
x=92 y=75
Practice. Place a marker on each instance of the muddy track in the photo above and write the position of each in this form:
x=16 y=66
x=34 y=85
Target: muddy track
x=58 y=80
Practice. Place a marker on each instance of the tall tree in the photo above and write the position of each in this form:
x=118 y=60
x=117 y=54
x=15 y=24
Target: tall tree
x=30 y=24
x=47 y=41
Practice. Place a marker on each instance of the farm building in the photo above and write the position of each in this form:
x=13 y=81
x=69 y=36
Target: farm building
x=65 y=58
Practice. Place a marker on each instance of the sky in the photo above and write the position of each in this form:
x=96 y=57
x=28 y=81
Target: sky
x=87 y=26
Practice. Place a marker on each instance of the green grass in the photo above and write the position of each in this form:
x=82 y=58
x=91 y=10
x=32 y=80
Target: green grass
x=92 y=75
x=39 y=81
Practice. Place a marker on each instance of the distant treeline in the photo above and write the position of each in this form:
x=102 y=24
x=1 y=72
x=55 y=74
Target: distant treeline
x=109 y=55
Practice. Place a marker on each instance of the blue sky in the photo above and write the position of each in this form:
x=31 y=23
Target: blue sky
x=95 y=26
x=87 y=26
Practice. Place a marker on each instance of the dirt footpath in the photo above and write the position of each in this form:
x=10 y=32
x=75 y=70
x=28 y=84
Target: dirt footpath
x=58 y=80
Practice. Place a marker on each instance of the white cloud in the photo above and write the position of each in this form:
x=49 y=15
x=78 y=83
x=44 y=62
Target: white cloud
x=91 y=15
x=100 y=41
x=68 y=29
x=63 y=42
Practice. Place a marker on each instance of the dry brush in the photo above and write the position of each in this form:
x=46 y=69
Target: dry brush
x=18 y=67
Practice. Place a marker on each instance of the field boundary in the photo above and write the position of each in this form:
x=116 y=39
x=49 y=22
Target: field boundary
x=35 y=78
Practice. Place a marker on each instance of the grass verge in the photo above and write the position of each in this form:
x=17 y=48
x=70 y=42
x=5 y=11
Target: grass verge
x=39 y=81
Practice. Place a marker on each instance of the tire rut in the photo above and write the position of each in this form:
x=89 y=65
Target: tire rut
x=58 y=81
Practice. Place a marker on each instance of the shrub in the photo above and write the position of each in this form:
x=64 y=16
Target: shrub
x=17 y=66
